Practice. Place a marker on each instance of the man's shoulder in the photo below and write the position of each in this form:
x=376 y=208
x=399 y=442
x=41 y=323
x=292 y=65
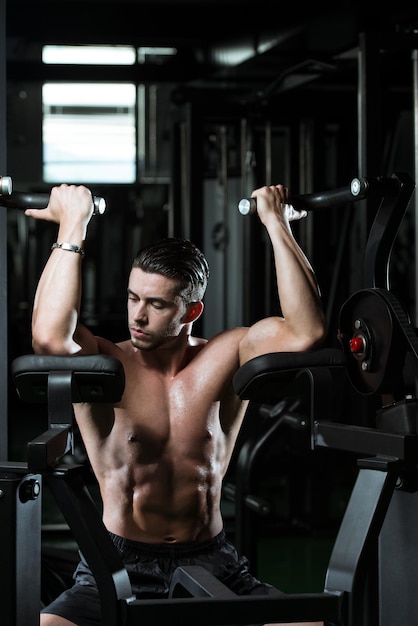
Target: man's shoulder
x=106 y=346
x=228 y=339
x=230 y=334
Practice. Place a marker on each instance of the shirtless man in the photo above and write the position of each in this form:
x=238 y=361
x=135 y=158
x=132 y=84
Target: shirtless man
x=160 y=455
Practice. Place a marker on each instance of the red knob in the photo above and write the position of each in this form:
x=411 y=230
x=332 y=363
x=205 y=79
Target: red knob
x=357 y=344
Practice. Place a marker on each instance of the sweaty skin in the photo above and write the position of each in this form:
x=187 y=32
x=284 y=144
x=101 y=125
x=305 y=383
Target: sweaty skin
x=160 y=455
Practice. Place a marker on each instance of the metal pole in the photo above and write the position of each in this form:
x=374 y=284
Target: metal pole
x=267 y=248
x=223 y=132
x=3 y=246
x=415 y=118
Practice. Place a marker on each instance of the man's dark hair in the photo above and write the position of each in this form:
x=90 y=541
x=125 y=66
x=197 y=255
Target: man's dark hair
x=179 y=259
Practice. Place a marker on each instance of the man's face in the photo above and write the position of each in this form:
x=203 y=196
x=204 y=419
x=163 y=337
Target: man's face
x=155 y=310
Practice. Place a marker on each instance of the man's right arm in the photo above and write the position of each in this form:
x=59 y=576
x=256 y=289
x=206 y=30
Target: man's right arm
x=55 y=327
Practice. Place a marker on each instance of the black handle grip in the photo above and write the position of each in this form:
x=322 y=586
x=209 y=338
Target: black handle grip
x=358 y=189
x=22 y=200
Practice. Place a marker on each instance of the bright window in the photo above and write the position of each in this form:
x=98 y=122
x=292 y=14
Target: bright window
x=88 y=55
x=89 y=132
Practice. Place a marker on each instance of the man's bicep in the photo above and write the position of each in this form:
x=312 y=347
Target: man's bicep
x=265 y=336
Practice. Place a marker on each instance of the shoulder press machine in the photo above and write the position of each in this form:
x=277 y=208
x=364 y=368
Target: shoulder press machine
x=376 y=338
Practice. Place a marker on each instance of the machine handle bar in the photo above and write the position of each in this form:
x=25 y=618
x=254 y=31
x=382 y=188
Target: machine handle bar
x=358 y=189
x=22 y=200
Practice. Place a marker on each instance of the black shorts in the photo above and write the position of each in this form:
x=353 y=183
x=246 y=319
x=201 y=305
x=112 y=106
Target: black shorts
x=150 y=568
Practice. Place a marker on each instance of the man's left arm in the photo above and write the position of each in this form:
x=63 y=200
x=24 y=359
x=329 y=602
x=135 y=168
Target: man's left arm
x=302 y=325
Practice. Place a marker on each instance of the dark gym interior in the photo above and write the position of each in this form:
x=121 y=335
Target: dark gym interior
x=256 y=93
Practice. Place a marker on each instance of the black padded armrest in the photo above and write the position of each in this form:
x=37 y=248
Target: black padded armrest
x=95 y=378
x=270 y=376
